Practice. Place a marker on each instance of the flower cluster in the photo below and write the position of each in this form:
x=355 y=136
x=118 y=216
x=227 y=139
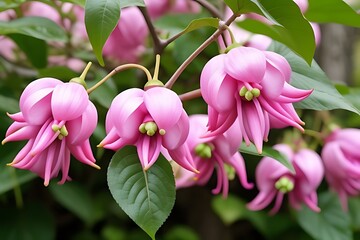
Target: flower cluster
x=248 y=86
x=57 y=120
x=274 y=180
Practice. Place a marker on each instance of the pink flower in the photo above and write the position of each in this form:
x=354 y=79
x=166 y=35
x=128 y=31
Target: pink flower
x=158 y=8
x=274 y=180
x=341 y=159
x=220 y=152
x=150 y=120
x=247 y=85
x=57 y=119
x=127 y=41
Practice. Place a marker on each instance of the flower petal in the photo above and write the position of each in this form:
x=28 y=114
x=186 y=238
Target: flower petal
x=164 y=106
x=246 y=64
x=69 y=101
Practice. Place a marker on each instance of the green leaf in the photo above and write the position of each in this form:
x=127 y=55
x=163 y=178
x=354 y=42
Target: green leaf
x=9 y=105
x=34 y=49
x=147 y=197
x=354 y=212
x=33 y=221
x=130 y=3
x=11 y=178
x=101 y=17
x=336 y=11
x=8 y=4
x=289 y=26
x=267 y=152
x=200 y=23
x=59 y=72
x=325 y=96
x=76 y=199
x=77 y=2
x=234 y=5
x=37 y=27
x=230 y=209
x=331 y=223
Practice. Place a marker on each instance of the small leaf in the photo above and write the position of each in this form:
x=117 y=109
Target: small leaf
x=325 y=96
x=230 y=209
x=200 y=23
x=267 y=152
x=332 y=11
x=130 y=3
x=37 y=27
x=34 y=49
x=101 y=17
x=59 y=72
x=147 y=197
x=331 y=223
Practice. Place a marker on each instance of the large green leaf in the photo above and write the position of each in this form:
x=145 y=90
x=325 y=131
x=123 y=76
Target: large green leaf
x=325 y=96
x=146 y=196
x=288 y=26
x=34 y=49
x=37 y=27
x=332 y=223
x=267 y=152
x=101 y=17
x=336 y=11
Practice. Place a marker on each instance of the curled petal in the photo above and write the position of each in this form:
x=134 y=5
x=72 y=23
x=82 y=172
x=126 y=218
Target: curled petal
x=37 y=107
x=182 y=156
x=262 y=200
x=148 y=149
x=82 y=127
x=273 y=82
x=310 y=164
x=280 y=63
x=164 y=106
x=37 y=85
x=177 y=135
x=217 y=88
x=246 y=64
x=69 y=101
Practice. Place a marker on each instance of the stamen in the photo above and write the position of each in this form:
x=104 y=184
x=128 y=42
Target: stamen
x=162 y=132
x=203 y=150
x=249 y=96
x=284 y=185
x=255 y=92
x=243 y=91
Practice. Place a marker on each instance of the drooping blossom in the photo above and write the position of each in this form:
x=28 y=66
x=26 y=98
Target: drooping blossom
x=341 y=158
x=149 y=120
x=127 y=41
x=246 y=86
x=275 y=180
x=57 y=119
x=220 y=153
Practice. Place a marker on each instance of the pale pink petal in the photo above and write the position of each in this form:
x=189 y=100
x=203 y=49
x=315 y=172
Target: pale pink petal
x=164 y=106
x=246 y=64
x=177 y=135
x=148 y=149
x=82 y=127
x=36 y=109
x=69 y=101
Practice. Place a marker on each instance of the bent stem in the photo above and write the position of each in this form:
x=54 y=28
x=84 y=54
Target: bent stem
x=190 y=95
x=17 y=190
x=119 y=69
x=204 y=45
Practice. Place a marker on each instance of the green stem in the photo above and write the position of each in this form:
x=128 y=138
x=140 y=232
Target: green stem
x=119 y=69
x=17 y=190
x=204 y=45
x=157 y=67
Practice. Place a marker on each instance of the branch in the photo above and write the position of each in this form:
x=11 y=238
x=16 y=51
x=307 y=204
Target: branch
x=208 y=41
